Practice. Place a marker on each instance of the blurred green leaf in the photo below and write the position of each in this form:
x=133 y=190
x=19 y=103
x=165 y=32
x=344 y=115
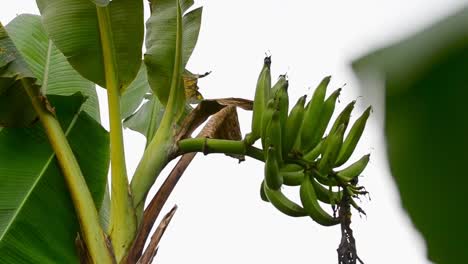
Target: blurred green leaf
x=48 y=64
x=426 y=125
x=73 y=26
x=37 y=218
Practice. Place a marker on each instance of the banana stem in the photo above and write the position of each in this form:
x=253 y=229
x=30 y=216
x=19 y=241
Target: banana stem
x=154 y=160
x=88 y=217
x=208 y=145
x=123 y=221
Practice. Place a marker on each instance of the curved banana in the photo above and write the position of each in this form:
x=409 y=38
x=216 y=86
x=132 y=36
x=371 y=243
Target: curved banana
x=312 y=114
x=352 y=138
x=266 y=119
x=292 y=178
x=354 y=170
x=283 y=203
x=273 y=177
x=273 y=136
x=262 y=192
x=343 y=117
x=326 y=195
x=261 y=97
x=293 y=125
x=325 y=115
x=312 y=207
x=333 y=145
x=291 y=167
x=283 y=106
x=314 y=153
x=281 y=82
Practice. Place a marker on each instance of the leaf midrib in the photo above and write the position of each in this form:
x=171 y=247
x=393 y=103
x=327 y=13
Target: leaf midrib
x=46 y=166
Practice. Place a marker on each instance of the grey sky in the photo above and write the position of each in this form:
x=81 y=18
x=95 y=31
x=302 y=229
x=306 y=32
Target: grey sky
x=221 y=218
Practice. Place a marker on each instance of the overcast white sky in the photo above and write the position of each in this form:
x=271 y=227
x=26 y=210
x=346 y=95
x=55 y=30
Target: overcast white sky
x=221 y=218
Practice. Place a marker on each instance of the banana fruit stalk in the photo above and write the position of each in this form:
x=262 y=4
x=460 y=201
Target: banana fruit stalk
x=298 y=154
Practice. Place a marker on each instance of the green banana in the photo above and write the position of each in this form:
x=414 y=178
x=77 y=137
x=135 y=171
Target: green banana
x=333 y=144
x=266 y=119
x=291 y=167
x=292 y=178
x=312 y=115
x=293 y=125
x=273 y=136
x=326 y=180
x=281 y=82
x=352 y=138
x=261 y=97
x=314 y=153
x=354 y=170
x=325 y=195
x=325 y=116
x=283 y=106
x=312 y=207
x=343 y=117
x=283 y=203
x=262 y=192
x=273 y=177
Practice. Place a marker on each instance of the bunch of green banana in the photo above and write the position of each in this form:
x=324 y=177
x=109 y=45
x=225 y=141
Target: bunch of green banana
x=298 y=153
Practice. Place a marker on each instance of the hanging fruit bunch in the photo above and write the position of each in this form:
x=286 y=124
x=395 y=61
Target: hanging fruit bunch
x=298 y=153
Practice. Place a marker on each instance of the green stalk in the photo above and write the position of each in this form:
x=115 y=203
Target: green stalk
x=160 y=148
x=88 y=217
x=123 y=221
x=208 y=145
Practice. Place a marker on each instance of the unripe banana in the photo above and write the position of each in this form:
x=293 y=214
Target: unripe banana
x=273 y=177
x=326 y=195
x=262 y=192
x=291 y=167
x=314 y=153
x=312 y=115
x=293 y=125
x=283 y=204
x=343 y=117
x=325 y=116
x=333 y=145
x=312 y=207
x=266 y=119
x=281 y=82
x=261 y=97
x=283 y=106
x=292 y=178
x=326 y=180
x=273 y=136
x=352 y=138
x=354 y=170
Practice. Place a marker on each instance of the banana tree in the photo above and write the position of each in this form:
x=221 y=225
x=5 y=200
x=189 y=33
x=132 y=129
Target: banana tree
x=54 y=154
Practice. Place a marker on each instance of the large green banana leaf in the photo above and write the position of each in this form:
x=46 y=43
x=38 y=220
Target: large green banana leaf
x=15 y=106
x=73 y=26
x=48 y=64
x=426 y=126
x=37 y=217
x=161 y=38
